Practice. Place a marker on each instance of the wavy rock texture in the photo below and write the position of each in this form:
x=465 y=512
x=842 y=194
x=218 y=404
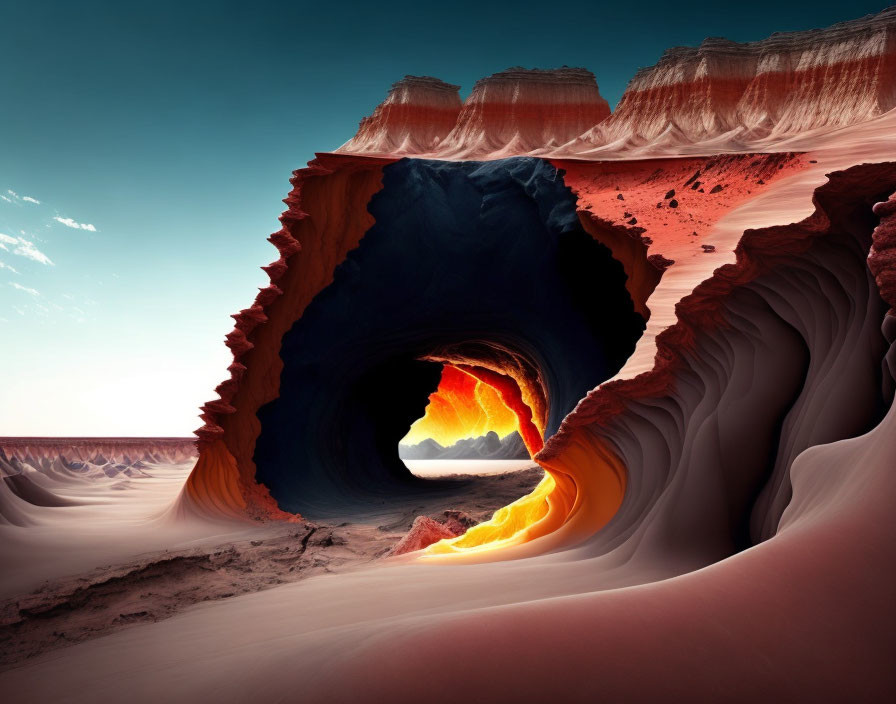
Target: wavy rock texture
x=413 y=119
x=761 y=313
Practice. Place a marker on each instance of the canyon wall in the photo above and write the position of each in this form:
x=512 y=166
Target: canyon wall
x=735 y=94
x=720 y=96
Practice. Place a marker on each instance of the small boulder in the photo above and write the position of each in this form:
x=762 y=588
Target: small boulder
x=670 y=194
x=707 y=248
x=619 y=197
x=716 y=189
x=423 y=533
x=673 y=203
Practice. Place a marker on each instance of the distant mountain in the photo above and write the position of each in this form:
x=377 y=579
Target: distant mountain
x=485 y=447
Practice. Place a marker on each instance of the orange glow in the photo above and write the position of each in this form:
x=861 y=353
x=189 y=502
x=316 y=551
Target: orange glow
x=567 y=505
x=512 y=398
x=582 y=490
x=462 y=407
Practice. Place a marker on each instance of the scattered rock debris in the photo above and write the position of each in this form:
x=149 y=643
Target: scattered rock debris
x=156 y=586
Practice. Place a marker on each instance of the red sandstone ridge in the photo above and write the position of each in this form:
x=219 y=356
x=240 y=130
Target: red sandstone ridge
x=731 y=93
x=720 y=96
x=519 y=111
x=414 y=118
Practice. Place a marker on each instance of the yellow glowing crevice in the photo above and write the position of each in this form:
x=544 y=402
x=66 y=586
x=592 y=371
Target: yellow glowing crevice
x=582 y=490
x=506 y=527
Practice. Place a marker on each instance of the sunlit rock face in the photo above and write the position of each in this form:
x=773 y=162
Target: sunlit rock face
x=785 y=85
x=414 y=119
x=467 y=262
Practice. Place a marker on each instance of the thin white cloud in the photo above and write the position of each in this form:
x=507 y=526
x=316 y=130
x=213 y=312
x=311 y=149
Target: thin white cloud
x=32 y=291
x=68 y=222
x=18 y=198
x=24 y=248
x=4 y=265
x=27 y=249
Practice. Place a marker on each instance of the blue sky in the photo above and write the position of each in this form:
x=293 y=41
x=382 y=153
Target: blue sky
x=146 y=148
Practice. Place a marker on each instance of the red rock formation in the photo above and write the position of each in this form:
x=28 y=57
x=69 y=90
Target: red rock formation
x=519 y=111
x=758 y=252
x=413 y=119
x=326 y=217
x=424 y=532
x=784 y=85
x=627 y=205
x=516 y=111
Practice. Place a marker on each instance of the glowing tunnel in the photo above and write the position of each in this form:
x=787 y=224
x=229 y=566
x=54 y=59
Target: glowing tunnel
x=473 y=301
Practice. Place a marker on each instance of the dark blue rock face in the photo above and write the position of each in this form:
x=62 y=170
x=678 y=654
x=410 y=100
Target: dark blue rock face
x=464 y=255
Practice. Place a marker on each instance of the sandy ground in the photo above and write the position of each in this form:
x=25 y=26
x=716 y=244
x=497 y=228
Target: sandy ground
x=113 y=561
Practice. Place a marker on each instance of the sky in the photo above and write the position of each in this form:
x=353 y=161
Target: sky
x=145 y=149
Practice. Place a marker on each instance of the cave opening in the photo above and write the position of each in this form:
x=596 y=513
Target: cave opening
x=481 y=268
